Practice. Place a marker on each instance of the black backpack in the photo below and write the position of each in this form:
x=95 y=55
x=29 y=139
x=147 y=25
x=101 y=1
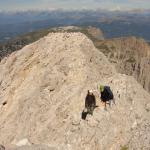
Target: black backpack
x=109 y=92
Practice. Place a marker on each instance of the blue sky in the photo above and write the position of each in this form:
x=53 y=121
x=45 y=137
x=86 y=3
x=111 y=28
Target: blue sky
x=73 y=4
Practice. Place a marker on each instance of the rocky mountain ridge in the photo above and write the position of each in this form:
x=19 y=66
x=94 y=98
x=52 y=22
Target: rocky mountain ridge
x=6 y=48
x=130 y=56
x=42 y=93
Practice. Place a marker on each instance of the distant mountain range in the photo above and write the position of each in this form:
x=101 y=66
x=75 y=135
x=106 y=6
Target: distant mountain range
x=113 y=23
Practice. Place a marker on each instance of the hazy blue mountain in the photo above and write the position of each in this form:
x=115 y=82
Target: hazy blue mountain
x=114 y=24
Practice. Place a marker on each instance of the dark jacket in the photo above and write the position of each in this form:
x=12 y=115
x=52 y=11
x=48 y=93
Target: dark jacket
x=90 y=100
x=107 y=94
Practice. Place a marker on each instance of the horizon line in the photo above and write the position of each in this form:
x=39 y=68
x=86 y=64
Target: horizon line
x=83 y=9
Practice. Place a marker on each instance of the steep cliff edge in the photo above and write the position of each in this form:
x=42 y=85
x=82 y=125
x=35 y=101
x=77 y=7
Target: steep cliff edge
x=42 y=92
x=130 y=56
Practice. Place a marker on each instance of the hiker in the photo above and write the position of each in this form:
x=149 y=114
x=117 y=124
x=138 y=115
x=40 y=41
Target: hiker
x=106 y=95
x=90 y=104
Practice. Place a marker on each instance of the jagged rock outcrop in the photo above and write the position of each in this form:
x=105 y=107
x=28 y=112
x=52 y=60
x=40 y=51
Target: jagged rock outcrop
x=96 y=33
x=92 y=32
x=130 y=56
x=19 y=42
x=42 y=92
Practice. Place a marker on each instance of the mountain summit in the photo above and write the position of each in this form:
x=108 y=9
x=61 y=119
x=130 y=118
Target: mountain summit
x=42 y=95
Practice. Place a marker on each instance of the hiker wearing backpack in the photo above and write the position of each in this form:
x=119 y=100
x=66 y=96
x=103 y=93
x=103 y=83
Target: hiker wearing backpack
x=106 y=95
x=90 y=104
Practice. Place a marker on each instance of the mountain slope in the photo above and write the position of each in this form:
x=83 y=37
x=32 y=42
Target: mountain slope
x=130 y=55
x=19 y=42
x=42 y=93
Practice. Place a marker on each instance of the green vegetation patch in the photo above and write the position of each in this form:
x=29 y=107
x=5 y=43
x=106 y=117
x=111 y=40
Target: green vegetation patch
x=131 y=60
x=124 y=147
x=104 y=48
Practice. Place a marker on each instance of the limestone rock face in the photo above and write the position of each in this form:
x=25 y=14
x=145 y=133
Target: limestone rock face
x=130 y=56
x=35 y=147
x=23 y=142
x=96 y=33
x=42 y=93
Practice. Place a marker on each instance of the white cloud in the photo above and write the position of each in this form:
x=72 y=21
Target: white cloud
x=73 y=4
